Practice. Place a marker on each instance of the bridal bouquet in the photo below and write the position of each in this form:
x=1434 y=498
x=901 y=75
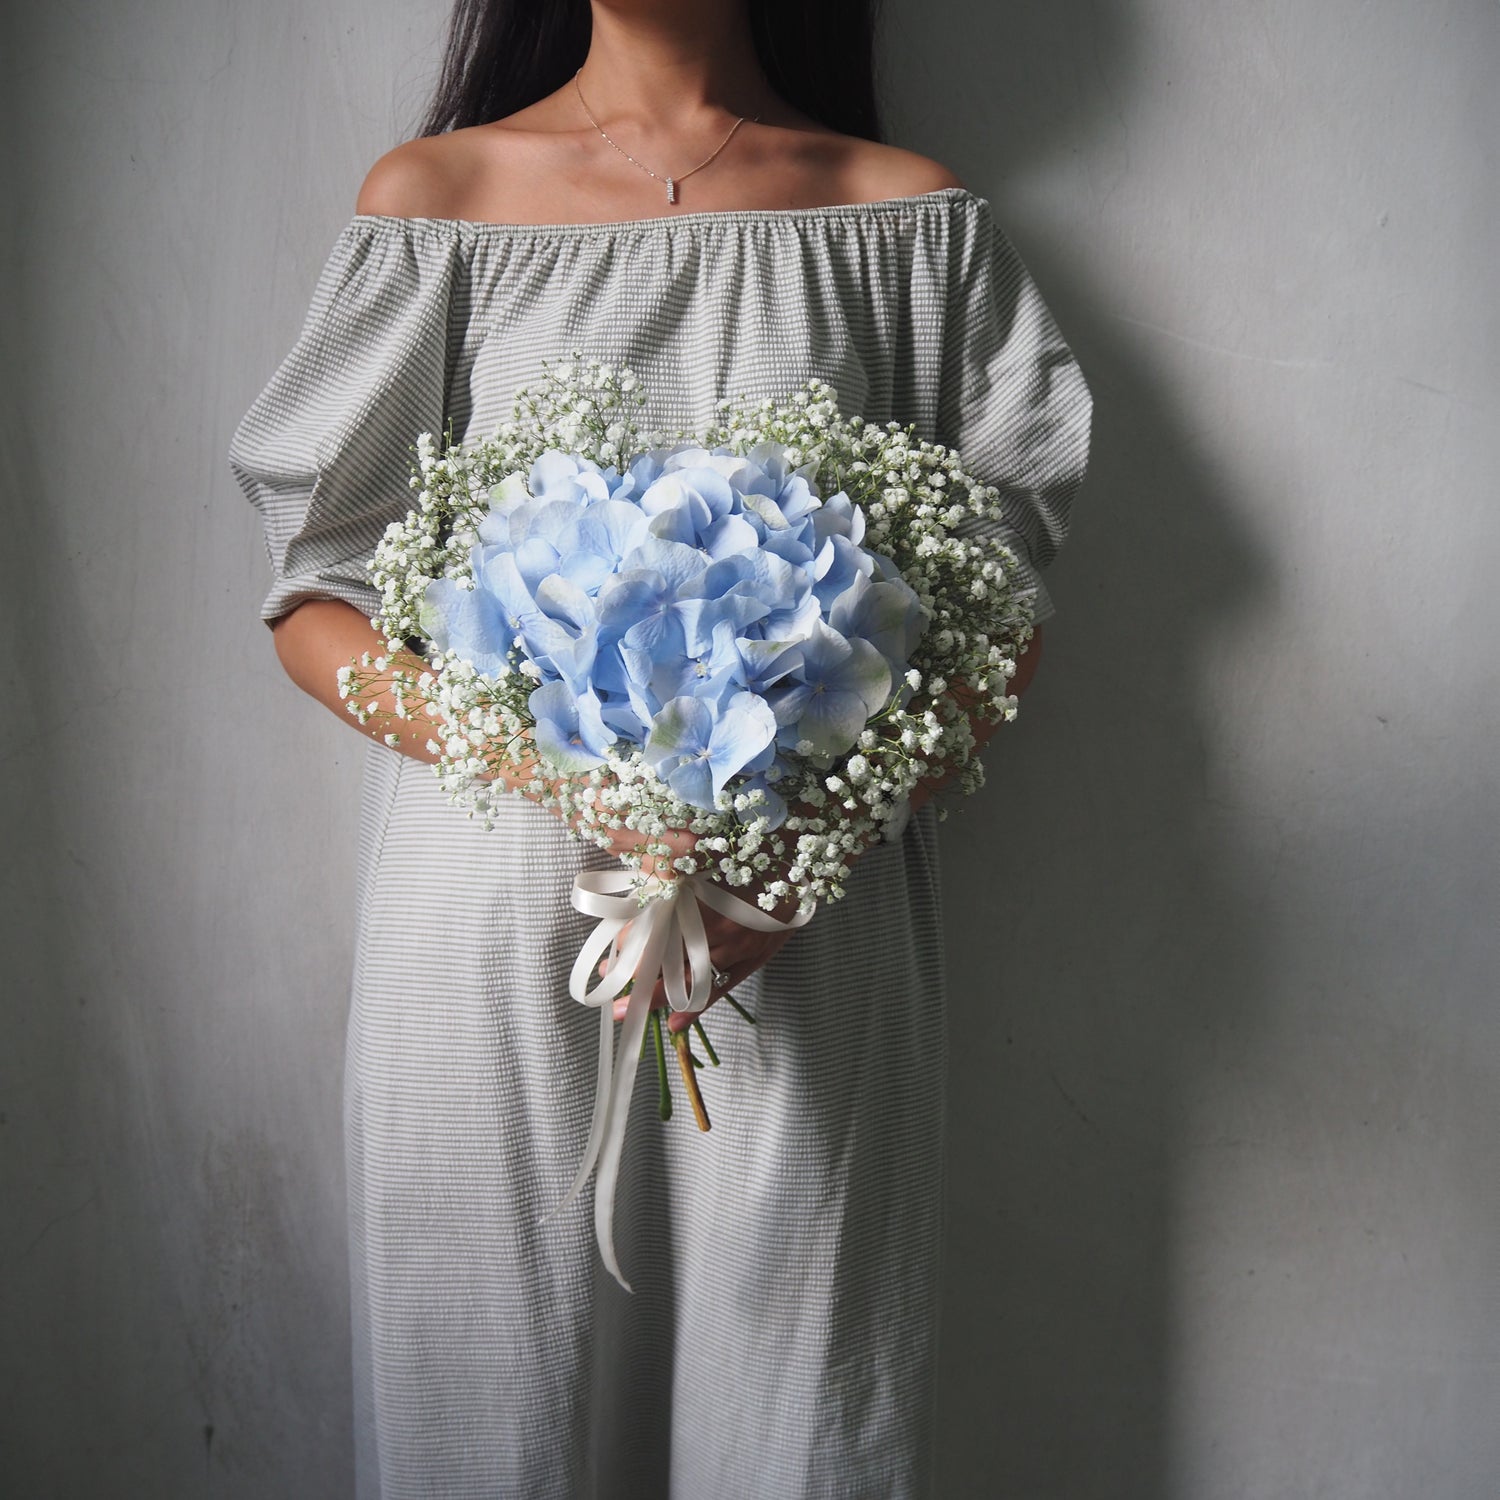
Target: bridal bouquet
x=763 y=635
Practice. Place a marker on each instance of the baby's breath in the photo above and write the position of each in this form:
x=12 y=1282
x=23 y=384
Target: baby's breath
x=938 y=524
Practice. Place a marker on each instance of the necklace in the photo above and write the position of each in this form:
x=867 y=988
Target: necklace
x=671 y=182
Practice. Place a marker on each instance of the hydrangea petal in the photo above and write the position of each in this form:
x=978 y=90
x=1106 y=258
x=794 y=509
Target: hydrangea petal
x=692 y=781
x=729 y=535
x=536 y=559
x=560 y=599
x=831 y=720
x=745 y=728
x=682 y=727
x=496 y=573
x=470 y=622
x=557 y=734
x=765 y=662
x=679 y=565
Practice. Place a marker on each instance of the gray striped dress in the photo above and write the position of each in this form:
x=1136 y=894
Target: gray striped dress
x=781 y=1336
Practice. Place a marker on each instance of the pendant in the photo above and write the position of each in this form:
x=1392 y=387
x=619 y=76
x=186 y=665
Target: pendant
x=671 y=191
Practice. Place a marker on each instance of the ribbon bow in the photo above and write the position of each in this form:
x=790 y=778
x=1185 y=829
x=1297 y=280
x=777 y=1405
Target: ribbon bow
x=666 y=940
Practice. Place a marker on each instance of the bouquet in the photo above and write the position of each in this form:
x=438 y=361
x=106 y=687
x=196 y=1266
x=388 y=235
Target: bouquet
x=764 y=635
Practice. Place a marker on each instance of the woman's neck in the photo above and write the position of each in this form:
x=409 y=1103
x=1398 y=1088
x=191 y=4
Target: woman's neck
x=669 y=66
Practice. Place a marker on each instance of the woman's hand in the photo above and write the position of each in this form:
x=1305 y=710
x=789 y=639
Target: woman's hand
x=733 y=950
x=965 y=698
x=624 y=843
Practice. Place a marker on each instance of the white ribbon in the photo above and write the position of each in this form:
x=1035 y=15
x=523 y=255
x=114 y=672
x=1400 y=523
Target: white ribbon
x=666 y=940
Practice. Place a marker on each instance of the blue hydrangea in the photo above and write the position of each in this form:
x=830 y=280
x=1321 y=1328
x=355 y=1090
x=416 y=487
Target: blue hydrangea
x=705 y=607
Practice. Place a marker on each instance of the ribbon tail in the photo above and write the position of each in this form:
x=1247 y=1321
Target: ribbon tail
x=601 y=1111
x=598 y=940
x=693 y=941
x=617 y=1110
x=614 y=1118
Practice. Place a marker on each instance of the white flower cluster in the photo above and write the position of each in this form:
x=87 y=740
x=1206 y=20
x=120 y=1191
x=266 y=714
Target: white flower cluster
x=923 y=512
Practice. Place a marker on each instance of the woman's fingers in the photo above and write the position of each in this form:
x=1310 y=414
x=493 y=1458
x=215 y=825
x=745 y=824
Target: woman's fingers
x=739 y=954
x=739 y=965
x=678 y=841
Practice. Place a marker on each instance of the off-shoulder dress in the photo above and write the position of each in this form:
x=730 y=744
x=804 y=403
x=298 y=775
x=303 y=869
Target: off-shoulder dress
x=780 y=1341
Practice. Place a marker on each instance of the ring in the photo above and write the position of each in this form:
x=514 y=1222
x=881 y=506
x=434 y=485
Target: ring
x=720 y=979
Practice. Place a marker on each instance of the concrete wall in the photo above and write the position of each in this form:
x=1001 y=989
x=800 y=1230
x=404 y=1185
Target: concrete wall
x=1224 y=1104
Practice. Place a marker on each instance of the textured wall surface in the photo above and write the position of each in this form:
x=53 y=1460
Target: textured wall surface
x=1224 y=1109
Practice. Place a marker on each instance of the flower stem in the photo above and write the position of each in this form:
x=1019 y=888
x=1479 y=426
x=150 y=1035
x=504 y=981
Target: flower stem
x=708 y=1046
x=690 y=1078
x=736 y=1004
x=664 y=1099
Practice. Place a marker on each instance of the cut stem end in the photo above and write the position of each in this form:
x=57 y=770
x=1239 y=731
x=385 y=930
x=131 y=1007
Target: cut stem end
x=690 y=1078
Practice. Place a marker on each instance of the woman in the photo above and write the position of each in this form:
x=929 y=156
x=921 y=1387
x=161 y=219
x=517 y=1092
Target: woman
x=780 y=1339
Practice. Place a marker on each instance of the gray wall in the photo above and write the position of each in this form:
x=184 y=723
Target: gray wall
x=1224 y=1105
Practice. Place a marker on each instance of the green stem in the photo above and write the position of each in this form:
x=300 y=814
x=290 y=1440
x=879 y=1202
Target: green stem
x=708 y=1046
x=664 y=1101
x=736 y=1004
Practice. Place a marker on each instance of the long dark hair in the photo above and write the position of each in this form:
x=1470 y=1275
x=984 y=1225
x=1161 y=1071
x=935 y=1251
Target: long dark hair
x=501 y=55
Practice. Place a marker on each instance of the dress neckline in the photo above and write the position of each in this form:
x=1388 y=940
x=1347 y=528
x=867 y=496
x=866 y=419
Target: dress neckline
x=707 y=218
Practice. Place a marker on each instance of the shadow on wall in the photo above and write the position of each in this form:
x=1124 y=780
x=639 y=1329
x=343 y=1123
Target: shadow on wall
x=1093 y=925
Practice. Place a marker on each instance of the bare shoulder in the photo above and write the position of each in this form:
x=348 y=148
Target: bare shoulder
x=410 y=182
x=873 y=171
x=429 y=177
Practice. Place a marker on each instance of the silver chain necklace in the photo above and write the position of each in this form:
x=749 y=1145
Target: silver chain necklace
x=671 y=182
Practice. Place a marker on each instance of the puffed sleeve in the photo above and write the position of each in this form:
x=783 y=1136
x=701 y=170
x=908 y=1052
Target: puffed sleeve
x=1013 y=401
x=324 y=453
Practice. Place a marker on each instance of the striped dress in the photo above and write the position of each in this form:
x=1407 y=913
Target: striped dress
x=780 y=1339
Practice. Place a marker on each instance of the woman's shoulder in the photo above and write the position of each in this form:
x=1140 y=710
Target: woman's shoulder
x=872 y=171
x=446 y=176
x=822 y=165
x=422 y=178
